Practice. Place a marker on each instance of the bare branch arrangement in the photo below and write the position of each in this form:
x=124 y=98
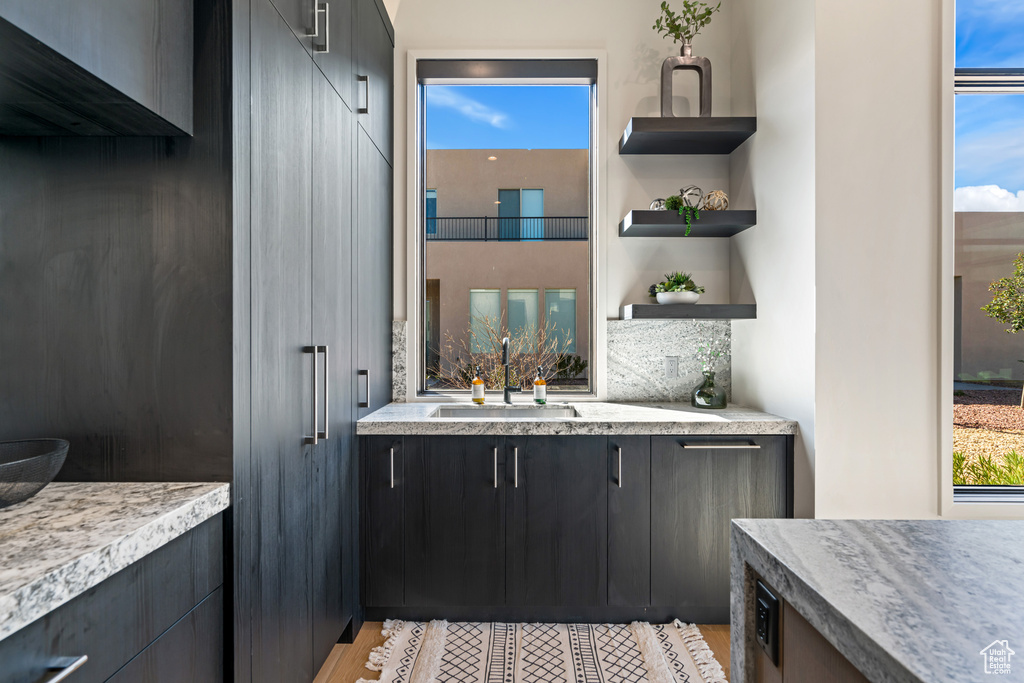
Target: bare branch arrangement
x=529 y=347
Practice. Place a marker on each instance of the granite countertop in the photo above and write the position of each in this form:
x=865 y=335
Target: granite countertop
x=71 y=536
x=595 y=418
x=902 y=600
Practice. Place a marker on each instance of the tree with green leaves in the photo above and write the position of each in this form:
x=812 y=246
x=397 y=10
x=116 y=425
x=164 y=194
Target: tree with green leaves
x=1007 y=305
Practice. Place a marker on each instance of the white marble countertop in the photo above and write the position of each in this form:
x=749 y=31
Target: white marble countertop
x=594 y=418
x=902 y=600
x=71 y=536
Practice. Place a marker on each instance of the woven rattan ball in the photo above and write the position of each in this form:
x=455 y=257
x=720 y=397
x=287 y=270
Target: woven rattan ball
x=716 y=200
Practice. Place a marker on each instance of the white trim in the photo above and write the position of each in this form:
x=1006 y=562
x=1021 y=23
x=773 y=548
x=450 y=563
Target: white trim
x=414 y=246
x=947 y=507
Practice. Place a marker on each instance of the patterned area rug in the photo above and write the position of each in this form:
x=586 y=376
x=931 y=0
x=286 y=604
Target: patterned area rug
x=442 y=652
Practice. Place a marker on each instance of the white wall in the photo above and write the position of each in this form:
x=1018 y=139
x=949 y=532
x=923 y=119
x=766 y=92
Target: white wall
x=773 y=263
x=634 y=56
x=878 y=143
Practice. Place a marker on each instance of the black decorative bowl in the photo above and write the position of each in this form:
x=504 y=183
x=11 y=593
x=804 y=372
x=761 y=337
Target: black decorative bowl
x=27 y=466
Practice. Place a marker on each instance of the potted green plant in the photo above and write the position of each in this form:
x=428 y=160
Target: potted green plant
x=690 y=213
x=677 y=288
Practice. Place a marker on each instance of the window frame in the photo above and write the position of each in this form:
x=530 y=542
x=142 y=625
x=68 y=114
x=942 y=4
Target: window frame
x=411 y=280
x=961 y=502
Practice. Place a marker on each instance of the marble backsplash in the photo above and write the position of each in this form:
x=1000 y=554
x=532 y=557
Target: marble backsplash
x=636 y=358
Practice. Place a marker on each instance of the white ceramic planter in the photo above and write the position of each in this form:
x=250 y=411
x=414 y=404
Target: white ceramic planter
x=678 y=297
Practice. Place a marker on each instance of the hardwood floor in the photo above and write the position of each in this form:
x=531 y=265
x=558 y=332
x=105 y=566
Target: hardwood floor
x=347 y=663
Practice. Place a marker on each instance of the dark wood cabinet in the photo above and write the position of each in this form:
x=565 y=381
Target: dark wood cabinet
x=454 y=497
x=96 y=67
x=588 y=528
x=373 y=284
x=629 y=521
x=145 y=608
x=698 y=484
x=374 y=70
x=334 y=490
x=383 y=521
x=557 y=536
x=282 y=405
x=301 y=18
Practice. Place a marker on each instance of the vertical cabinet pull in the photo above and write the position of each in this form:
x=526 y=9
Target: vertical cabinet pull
x=60 y=669
x=327 y=390
x=516 y=452
x=366 y=403
x=620 y=467
x=324 y=47
x=495 y=468
x=316 y=396
x=392 y=468
x=364 y=95
x=315 y=31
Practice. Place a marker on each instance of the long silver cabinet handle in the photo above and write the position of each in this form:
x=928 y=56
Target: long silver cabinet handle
x=327 y=390
x=516 y=452
x=324 y=7
x=366 y=374
x=316 y=396
x=364 y=95
x=392 y=468
x=63 y=667
x=315 y=31
x=495 y=468
x=722 y=446
x=620 y=467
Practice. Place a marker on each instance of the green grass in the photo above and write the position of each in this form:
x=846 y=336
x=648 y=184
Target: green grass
x=987 y=472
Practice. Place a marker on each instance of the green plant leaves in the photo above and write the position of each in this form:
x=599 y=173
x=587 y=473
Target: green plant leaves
x=683 y=27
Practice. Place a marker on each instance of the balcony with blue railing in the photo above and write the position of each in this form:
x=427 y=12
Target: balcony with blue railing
x=495 y=229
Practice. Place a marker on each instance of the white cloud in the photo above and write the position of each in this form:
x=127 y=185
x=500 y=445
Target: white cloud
x=987 y=198
x=443 y=96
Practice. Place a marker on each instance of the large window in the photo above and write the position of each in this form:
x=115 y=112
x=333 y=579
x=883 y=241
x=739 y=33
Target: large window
x=507 y=145
x=988 y=364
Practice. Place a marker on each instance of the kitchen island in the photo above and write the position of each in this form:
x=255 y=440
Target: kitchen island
x=882 y=601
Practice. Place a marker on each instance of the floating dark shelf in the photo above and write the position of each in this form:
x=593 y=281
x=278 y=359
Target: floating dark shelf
x=689 y=311
x=686 y=135
x=671 y=224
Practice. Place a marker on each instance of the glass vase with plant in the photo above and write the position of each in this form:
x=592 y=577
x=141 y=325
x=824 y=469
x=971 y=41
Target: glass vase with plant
x=710 y=352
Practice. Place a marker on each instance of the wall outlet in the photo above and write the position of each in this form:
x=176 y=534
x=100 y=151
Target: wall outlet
x=671 y=367
x=766 y=622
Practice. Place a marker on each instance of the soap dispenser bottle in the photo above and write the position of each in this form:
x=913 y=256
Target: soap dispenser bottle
x=540 y=388
x=478 y=388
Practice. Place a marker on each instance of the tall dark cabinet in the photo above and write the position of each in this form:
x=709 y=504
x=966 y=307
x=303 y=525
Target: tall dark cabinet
x=199 y=308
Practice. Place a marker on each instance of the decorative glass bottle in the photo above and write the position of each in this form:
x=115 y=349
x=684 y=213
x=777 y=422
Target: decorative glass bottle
x=708 y=394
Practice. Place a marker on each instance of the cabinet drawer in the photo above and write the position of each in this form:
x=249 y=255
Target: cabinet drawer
x=117 y=619
x=192 y=650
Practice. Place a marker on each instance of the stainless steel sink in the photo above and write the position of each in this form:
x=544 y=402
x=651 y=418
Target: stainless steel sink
x=507 y=412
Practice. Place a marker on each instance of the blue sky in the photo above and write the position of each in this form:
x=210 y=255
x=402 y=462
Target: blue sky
x=989 y=128
x=508 y=116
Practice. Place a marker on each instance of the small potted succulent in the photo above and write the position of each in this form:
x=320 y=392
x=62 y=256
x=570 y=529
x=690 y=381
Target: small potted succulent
x=678 y=288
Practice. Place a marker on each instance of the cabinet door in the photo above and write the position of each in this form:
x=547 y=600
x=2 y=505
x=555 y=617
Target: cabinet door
x=281 y=327
x=382 y=460
x=629 y=521
x=373 y=281
x=337 y=63
x=375 y=54
x=455 y=521
x=699 y=484
x=301 y=20
x=558 y=521
x=335 y=536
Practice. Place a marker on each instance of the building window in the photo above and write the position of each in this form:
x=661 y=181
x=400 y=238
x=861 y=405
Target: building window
x=484 y=318
x=523 y=316
x=508 y=144
x=560 y=317
x=988 y=202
